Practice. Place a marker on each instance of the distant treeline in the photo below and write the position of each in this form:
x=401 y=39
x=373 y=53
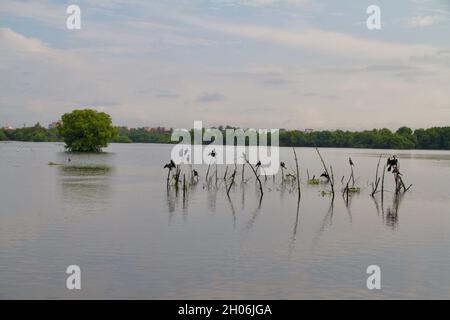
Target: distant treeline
x=36 y=133
x=403 y=138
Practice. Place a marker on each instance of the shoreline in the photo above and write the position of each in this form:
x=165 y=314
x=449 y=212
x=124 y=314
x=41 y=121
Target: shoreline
x=286 y=146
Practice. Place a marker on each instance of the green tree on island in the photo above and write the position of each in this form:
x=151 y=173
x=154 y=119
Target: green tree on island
x=3 y=135
x=86 y=130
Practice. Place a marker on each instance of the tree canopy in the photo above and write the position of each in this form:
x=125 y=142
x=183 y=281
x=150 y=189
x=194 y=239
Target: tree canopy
x=86 y=130
x=3 y=135
x=403 y=138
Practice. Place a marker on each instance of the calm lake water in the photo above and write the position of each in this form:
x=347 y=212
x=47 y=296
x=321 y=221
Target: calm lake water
x=111 y=215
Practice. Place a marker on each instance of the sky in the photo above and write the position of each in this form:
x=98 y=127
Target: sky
x=291 y=64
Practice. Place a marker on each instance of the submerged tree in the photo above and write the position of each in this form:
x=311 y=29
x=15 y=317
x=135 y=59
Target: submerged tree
x=87 y=130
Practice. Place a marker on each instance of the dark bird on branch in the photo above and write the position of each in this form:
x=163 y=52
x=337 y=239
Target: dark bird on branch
x=325 y=175
x=171 y=165
x=195 y=173
x=351 y=162
x=283 y=165
x=258 y=164
x=212 y=153
x=392 y=163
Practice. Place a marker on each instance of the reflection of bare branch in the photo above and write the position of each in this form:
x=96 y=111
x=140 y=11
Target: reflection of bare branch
x=392 y=212
x=171 y=203
x=243 y=195
x=327 y=221
x=294 y=232
x=348 y=205
x=255 y=214
x=233 y=212
x=377 y=206
x=212 y=199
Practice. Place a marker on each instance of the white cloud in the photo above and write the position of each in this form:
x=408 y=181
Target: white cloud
x=325 y=42
x=424 y=21
x=113 y=65
x=266 y=3
x=15 y=46
x=43 y=11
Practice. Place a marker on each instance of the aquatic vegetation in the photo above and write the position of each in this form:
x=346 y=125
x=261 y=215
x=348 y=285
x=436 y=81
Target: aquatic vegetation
x=86 y=170
x=54 y=164
x=354 y=189
x=314 y=181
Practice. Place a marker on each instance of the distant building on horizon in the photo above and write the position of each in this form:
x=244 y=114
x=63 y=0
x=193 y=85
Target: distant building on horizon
x=54 y=124
x=308 y=130
x=157 y=130
x=8 y=128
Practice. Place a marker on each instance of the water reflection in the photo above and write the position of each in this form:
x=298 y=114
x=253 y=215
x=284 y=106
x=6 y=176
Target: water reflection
x=254 y=215
x=233 y=212
x=377 y=206
x=86 y=188
x=171 y=201
x=294 y=231
x=327 y=222
x=85 y=171
x=391 y=218
x=243 y=185
x=212 y=198
x=390 y=215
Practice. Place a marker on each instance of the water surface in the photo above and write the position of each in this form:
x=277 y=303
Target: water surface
x=112 y=215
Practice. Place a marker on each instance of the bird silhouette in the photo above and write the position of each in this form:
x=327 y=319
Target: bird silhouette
x=392 y=163
x=283 y=165
x=171 y=165
x=258 y=163
x=195 y=173
x=212 y=153
x=325 y=175
x=351 y=162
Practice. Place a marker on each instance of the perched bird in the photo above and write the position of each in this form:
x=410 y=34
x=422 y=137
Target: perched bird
x=258 y=163
x=69 y=160
x=212 y=153
x=171 y=165
x=195 y=173
x=351 y=162
x=392 y=163
x=283 y=165
x=325 y=175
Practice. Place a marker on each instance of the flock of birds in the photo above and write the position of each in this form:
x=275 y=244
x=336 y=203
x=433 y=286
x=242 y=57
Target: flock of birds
x=392 y=165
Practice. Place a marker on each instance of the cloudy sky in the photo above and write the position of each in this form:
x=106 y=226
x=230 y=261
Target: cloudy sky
x=252 y=63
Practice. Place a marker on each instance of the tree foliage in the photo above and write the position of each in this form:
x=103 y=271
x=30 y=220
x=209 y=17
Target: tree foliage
x=87 y=130
x=3 y=135
x=404 y=138
x=36 y=133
